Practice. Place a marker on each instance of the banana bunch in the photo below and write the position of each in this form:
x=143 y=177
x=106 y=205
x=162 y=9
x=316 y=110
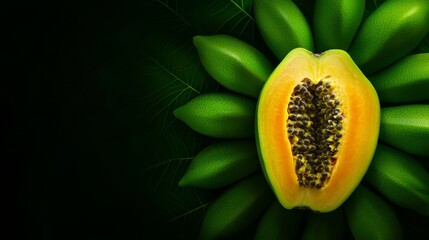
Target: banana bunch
x=221 y=115
x=400 y=178
x=279 y=223
x=370 y=217
x=380 y=45
x=221 y=164
x=237 y=207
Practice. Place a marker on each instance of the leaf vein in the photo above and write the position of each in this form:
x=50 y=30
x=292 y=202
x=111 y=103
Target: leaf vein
x=172 y=74
x=167 y=162
x=189 y=212
x=242 y=10
x=175 y=13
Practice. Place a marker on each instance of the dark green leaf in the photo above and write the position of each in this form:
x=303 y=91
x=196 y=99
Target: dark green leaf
x=166 y=66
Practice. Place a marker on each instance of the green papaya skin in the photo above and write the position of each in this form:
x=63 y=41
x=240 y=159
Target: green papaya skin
x=400 y=178
x=406 y=127
x=278 y=223
x=236 y=208
x=282 y=26
x=329 y=226
x=406 y=81
x=336 y=22
x=233 y=63
x=370 y=217
x=389 y=33
x=221 y=164
x=221 y=115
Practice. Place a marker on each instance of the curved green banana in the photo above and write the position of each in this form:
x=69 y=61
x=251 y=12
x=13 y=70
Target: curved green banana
x=406 y=127
x=336 y=22
x=279 y=223
x=389 y=33
x=327 y=226
x=236 y=208
x=370 y=217
x=233 y=63
x=283 y=26
x=399 y=178
x=221 y=164
x=222 y=115
x=406 y=81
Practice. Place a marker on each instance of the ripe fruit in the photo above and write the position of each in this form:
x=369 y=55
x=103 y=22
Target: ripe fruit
x=370 y=217
x=233 y=63
x=236 y=208
x=389 y=33
x=317 y=120
x=283 y=26
x=221 y=164
x=222 y=115
x=336 y=22
x=400 y=178
x=407 y=128
x=313 y=114
x=406 y=81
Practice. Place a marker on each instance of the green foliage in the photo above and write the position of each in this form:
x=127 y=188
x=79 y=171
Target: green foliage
x=158 y=54
x=157 y=57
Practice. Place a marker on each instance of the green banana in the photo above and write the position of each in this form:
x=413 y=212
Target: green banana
x=236 y=208
x=406 y=81
x=399 y=178
x=336 y=22
x=389 y=33
x=282 y=26
x=221 y=164
x=279 y=223
x=406 y=127
x=233 y=63
x=370 y=217
x=327 y=226
x=222 y=115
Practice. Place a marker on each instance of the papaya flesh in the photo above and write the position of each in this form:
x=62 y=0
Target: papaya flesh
x=317 y=125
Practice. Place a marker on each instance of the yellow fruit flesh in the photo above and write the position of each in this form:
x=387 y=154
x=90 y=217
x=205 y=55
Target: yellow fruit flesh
x=360 y=108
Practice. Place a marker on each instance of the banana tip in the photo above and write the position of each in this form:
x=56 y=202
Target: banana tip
x=196 y=39
x=183 y=182
x=176 y=113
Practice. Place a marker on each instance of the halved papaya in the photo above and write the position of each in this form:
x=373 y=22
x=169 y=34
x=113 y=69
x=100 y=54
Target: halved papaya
x=317 y=127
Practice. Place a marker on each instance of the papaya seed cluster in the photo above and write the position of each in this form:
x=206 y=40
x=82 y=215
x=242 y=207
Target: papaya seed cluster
x=314 y=129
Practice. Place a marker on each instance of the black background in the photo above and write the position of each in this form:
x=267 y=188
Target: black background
x=68 y=127
x=66 y=132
